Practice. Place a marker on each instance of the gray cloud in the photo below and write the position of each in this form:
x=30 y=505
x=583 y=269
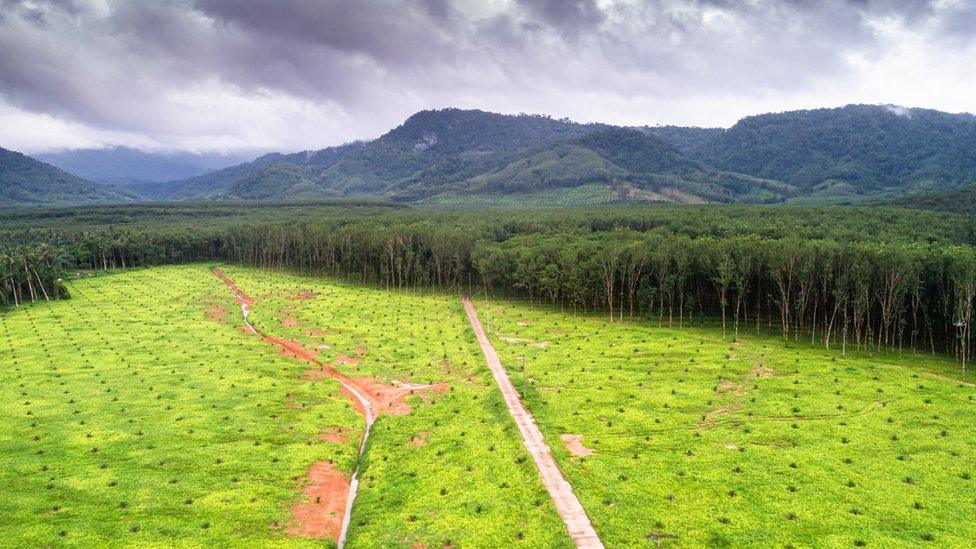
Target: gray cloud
x=307 y=73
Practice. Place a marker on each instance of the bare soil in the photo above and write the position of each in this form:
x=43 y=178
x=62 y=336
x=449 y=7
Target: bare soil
x=574 y=443
x=320 y=516
x=335 y=434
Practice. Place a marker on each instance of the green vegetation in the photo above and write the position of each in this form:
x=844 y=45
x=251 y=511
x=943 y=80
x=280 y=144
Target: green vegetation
x=866 y=277
x=25 y=181
x=131 y=417
x=583 y=195
x=958 y=201
x=748 y=441
x=844 y=155
x=851 y=151
x=785 y=375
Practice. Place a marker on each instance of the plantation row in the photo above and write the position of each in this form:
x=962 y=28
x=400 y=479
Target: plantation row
x=911 y=291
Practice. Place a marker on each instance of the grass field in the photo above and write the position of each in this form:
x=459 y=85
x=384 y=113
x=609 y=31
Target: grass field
x=583 y=195
x=140 y=413
x=132 y=418
x=754 y=442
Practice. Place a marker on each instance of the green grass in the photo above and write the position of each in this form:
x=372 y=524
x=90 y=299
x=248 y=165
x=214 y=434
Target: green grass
x=473 y=483
x=582 y=195
x=756 y=442
x=130 y=418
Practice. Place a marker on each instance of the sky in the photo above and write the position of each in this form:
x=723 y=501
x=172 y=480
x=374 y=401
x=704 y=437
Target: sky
x=288 y=75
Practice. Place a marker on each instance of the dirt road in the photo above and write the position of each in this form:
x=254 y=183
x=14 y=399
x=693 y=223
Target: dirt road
x=366 y=403
x=567 y=504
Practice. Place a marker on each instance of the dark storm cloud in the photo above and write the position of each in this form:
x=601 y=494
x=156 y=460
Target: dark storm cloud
x=177 y=68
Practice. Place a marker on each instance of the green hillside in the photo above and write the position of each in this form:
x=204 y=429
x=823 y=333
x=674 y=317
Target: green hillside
x=851 y=154
x=851 y=151
x=632 y=164
x=25 y=181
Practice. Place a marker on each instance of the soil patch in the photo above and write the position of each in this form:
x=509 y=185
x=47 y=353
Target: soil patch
x=419 y=440
x=304 y=296
x=289 y=322
x=316 y=332
x=713 y=415
x=361 y=351
x=216 y=312
x=335 y=434
x=762 y=371
x=734 y=388
x=574 y=443
x=346 y=360
x=320 y=516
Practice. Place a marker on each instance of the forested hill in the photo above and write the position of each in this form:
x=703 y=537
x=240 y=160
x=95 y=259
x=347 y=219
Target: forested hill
x=687 y=139
x=633 y=164
x=851 y=151
x=429 y=150
x=26 y=181
x=858 y=153
x=465 y=154
x=250 y=179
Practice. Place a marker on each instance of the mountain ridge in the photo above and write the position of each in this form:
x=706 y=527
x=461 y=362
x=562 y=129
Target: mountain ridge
x=856 y=153
x=25 y=181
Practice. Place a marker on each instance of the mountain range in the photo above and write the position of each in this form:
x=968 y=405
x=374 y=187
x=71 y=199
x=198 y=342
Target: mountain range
x=855 y=153
x=124 y=166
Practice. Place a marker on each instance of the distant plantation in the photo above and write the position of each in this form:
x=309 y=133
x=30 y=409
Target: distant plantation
x=868 y=278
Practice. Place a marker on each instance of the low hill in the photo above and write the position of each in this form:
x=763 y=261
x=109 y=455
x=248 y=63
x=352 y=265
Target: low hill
x=851 y=151
x=25 y=181
x=236 y=181
x=123 y=166
x=631 y=163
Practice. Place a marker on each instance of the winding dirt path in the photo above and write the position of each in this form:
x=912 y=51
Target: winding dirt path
x=567 y=504
x=366 y=401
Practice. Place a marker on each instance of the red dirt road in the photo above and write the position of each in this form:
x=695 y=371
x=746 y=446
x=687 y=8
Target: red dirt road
x=331 y=496
x=567 y=504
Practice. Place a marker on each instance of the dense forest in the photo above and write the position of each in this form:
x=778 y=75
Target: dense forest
x=854 y=150
x=868 y=278
x=857 y=153
x=26 y=181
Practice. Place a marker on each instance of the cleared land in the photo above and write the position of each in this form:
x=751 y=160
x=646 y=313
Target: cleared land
x=140 y=412
x=753 y=442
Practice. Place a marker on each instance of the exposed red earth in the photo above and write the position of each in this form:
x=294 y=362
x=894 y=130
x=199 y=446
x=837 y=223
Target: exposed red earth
x=570 y=510
x=335 y=434
x=321 y=516
x=574 y=443
x=329 y=498
x=216 y=312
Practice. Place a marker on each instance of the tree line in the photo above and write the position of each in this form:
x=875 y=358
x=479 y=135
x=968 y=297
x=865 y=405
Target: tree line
x=862 y=294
